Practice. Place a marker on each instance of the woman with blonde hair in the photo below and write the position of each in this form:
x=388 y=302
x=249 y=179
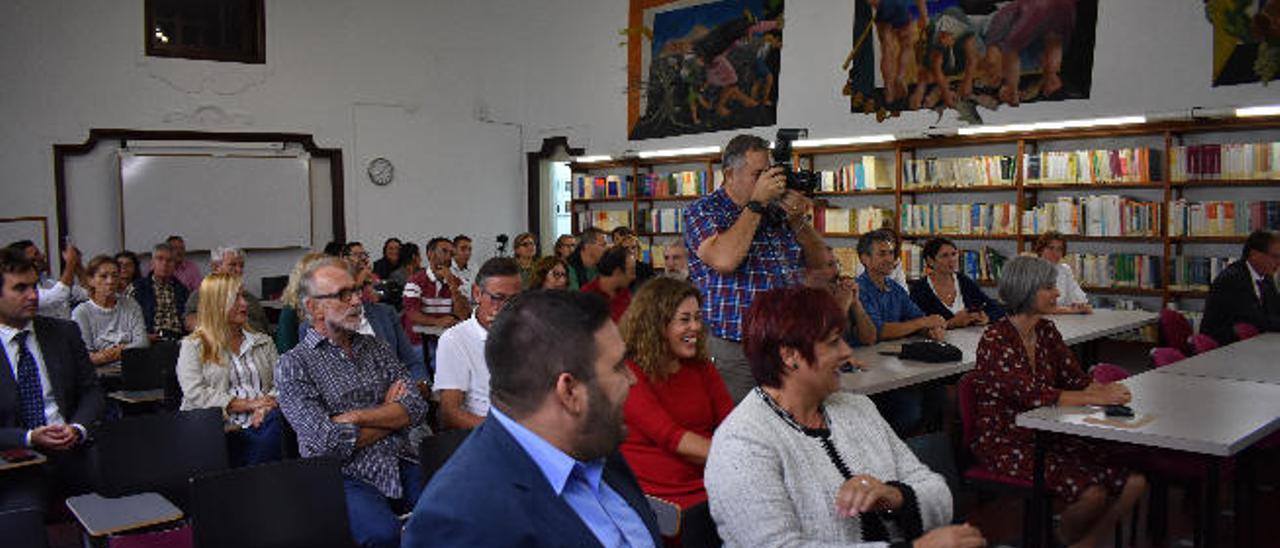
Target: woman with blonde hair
x=287 y=326
x=109 y=321
x=223 y=363
x=678 y=399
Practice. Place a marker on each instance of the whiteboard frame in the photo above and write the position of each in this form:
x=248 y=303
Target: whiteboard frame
x=44 y=227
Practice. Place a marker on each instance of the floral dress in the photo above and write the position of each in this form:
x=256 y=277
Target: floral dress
x=1005 y=384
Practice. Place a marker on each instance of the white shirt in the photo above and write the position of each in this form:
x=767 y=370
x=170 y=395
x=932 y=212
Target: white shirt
x=9 y=336
x=460 y=365
x=467 y=276
x=1255 y=277
x=245 y=381
x=957 y=306
x=56 y=298
x=1069 y=291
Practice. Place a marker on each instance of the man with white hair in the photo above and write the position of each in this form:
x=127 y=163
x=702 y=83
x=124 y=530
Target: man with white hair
x=230 y=260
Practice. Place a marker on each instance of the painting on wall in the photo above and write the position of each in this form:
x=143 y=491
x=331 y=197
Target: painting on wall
x=961 y=55
x=1246 y=40
x=696 y=66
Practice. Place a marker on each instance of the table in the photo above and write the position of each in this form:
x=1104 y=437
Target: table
x=101 y=516
x=1256 y=359
x=1202 y=415
x=36 y=458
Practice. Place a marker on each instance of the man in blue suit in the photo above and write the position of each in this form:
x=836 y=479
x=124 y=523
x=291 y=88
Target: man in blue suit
x=543 y=469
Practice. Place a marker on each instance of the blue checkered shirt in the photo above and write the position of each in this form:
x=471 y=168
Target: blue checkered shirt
x=773 y=261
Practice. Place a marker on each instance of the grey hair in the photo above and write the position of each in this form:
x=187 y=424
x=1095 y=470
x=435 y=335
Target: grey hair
x=308 y=288
x=1021 y=279
x=735 y=153
x=162 y=246
x=218 y=253
x=678 y=242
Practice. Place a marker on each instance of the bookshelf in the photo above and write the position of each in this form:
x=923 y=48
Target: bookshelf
x=1151 y=169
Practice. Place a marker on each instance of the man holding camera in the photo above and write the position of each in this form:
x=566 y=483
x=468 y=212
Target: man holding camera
x=744 y=238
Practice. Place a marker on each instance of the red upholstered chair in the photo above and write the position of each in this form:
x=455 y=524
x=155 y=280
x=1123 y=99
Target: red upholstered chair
x=1108 y=373
x=979 y=476
x=1202 y=343
x=1163 y=356
x=1245 y=331
x=1175 y=330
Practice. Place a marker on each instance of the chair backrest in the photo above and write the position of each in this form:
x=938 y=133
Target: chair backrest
x=436 y=450
x=668 y=515
x=1164 y=355
x=1245 y=331
x=164 y=357
x=139 y=371
x=1202 y=343
x=967 y=399
x=1108 y=373
x=273 y=286
x=698 y=529
x=288 y=503
x=23 y=528
x=1175 y=329
x=159 y=452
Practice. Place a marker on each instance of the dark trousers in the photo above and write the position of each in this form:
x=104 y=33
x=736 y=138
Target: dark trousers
x=374 y=521
x=257 y=445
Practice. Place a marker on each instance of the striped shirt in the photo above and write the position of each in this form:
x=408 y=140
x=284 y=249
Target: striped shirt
x=772 y=261
x=427 y=294
x=317 y=380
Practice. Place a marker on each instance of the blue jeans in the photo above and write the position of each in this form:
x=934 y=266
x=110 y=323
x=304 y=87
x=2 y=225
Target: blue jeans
x=263 y=444
x=374 y=521
x=422 y=374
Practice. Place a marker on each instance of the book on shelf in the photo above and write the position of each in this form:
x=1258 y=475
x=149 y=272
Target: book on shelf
x=677 y=184
x=1119 y=270
x=975 y=171
x=594 y=187
x=1094 y=215
x=979 y=218
x=660 y=219
x=866 y=173
x=1196 y=273
x=604 y=219
x=1226 y=161
x=1222 y=217
x=1098 y=166
x=837 y=220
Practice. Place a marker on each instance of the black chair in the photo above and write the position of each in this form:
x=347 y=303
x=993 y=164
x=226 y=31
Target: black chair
x=159 y=453
x=436 y=450
x=164 y=359
x=273 y=286
x=23 y=528
x=290 y=503
x=697 y=528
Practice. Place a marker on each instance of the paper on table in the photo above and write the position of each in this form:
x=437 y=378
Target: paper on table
x=1121 y=422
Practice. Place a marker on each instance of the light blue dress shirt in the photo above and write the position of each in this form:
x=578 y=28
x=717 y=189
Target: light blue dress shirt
x=602 y=509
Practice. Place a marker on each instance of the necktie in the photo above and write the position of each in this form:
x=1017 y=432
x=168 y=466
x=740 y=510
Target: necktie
x=30 y=392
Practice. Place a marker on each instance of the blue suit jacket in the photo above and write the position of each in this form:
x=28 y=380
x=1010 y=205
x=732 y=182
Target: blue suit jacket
x=491 y=493
x=75 y=384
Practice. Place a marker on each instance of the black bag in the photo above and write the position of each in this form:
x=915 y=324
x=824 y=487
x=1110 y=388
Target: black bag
x=929 y=352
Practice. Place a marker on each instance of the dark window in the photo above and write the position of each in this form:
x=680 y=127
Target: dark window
x=215 y=30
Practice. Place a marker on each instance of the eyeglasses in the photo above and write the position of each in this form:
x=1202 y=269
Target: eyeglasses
x=558 y=274
x=497 y=299
x=361 y=255
x=343 y=294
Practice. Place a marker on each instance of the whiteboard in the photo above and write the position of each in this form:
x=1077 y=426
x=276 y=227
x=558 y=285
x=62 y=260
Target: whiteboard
x=249 y=201
x=35 y=229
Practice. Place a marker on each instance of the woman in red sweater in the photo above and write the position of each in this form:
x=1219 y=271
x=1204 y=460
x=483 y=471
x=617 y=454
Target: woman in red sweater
x=679 y=398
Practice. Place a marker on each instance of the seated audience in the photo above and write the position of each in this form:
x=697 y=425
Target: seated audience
x=845 y=291
x=162 y=297
x=1052 y=246
x=617 y=269
x=53 y=401
x=679 y=398
x=461 y=267
x=625 y=237
x=1245 y=291
x=565 y=246
x=543 y=469
x=526 y=253
x=885 y=300
x=390 y=259
x=801 y=462
x=290 y=324
x=184 y=269
x=462 y=375
x=948 y=292
x=675 y=260
x=350 y=399
x=130 y=270
x=1022 y=364
x=225 y=363
x=57 y=297
x=432 y=300
x=230 y=260
x=410 y=264
x=549 y=272
x=582 y=263
x=109 y=322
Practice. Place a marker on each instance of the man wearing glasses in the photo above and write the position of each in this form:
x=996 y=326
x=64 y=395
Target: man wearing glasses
x=350 y=399
x=462 y=375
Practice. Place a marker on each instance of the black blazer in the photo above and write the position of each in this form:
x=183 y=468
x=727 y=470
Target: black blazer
x=974 y=298
x=492 y=493
x=144 y=291
x=1231 y=301
x=75 y=384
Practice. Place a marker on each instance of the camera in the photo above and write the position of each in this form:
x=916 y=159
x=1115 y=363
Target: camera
x=802 y=181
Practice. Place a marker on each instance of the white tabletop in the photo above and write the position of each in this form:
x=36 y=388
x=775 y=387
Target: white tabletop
x=1197 y=414
x=884 y=373
x=1256 y=359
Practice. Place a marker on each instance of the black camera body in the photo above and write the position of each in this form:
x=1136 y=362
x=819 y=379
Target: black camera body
x=802 y=181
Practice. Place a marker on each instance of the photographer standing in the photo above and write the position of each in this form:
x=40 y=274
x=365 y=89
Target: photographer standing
x=746 y=238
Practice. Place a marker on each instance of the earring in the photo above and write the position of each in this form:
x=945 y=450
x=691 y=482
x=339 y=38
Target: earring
x=793 y=366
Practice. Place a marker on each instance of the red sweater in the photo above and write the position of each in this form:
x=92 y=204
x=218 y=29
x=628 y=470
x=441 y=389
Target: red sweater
x=617 y=304
x=694 y=399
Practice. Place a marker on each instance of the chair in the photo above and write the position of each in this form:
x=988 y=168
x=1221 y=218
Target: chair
x=1108 y=373
x=668 y=515
x=1245 y=331
x=981 y=477
x=1163 y=356
x=290 y=503
x=273 y=286
x=697 y=529
x=1202 y=343
x=159 y=453
x=23 y=528
x=436 y=450
x=1175 y=330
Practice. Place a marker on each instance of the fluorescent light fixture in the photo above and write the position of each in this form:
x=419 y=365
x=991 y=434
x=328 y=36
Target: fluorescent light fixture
x=838 y=141
x=668 y=153
x=1246 y=112
x=1064 y=124
x=592 y=159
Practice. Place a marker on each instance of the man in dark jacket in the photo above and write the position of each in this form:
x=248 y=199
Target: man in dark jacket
x=1245 y=292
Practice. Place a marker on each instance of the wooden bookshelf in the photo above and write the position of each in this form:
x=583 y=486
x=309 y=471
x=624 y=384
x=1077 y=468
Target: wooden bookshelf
x=1227 y=183
x=962 y=237
x=960 y=190
x=1095 y=186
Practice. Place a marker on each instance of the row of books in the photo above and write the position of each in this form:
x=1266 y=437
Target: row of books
x=1196 y=273
x=1115 y=269
x=837 y=220
x=1123 y=165
x=865 y=173
x=680 y=183
x=604 y=219
x=959 y=172
x=1094 y=215
x=1222 y=217
x=1225 y=161
x=656 y=220
x=588 y=187
x=996 y=219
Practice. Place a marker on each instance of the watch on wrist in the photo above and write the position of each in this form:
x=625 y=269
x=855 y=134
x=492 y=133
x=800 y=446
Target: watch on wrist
x=756 y=207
